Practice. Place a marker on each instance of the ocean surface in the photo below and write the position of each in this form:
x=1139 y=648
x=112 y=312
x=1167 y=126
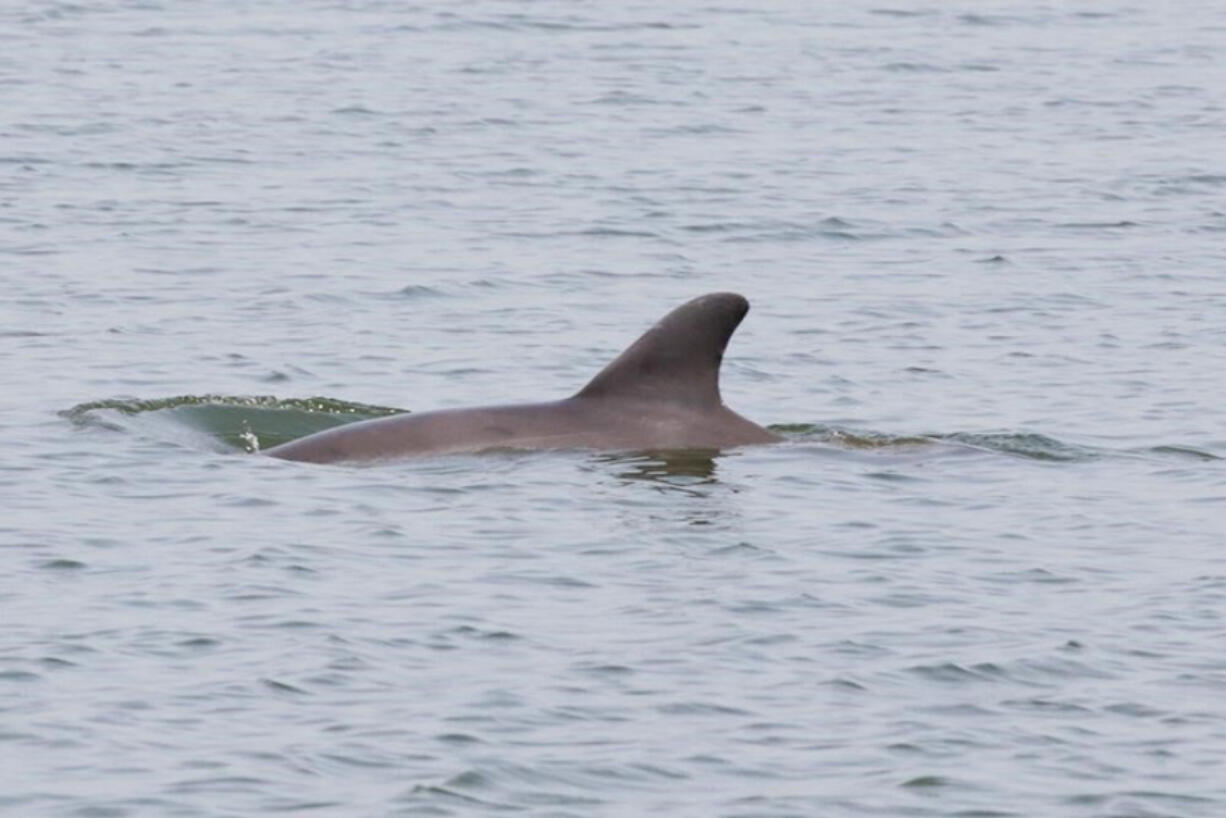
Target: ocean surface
x=983 y=576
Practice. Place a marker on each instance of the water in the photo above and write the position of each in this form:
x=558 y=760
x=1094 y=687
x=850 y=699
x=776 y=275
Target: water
x=983 y=576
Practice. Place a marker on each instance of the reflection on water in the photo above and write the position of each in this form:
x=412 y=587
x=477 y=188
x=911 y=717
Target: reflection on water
x=672 y=469
x=689 y=475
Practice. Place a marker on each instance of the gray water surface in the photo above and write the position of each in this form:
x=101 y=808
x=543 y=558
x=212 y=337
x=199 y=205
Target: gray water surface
x=984 y=575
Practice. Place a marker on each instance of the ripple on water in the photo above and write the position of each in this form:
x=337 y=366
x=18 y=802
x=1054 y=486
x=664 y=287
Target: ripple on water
x=982 y=576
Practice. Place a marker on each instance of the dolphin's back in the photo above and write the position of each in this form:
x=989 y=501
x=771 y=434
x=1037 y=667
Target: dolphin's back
x=449 y=430
x=662 y=392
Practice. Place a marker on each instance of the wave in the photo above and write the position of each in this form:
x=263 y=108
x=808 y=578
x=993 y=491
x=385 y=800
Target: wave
x=1029 y=445
x=248 y=422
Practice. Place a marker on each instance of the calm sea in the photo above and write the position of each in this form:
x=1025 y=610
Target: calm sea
x=985 y=244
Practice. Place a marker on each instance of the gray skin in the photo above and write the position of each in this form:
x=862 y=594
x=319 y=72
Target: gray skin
x=662 y=392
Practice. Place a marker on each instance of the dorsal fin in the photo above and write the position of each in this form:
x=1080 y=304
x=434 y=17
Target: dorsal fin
x=678 y=359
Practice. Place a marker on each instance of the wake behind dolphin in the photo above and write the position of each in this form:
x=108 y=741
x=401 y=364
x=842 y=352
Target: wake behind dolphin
x=662 y=392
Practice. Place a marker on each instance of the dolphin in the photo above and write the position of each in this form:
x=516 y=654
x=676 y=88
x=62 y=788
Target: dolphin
x=662 y=392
